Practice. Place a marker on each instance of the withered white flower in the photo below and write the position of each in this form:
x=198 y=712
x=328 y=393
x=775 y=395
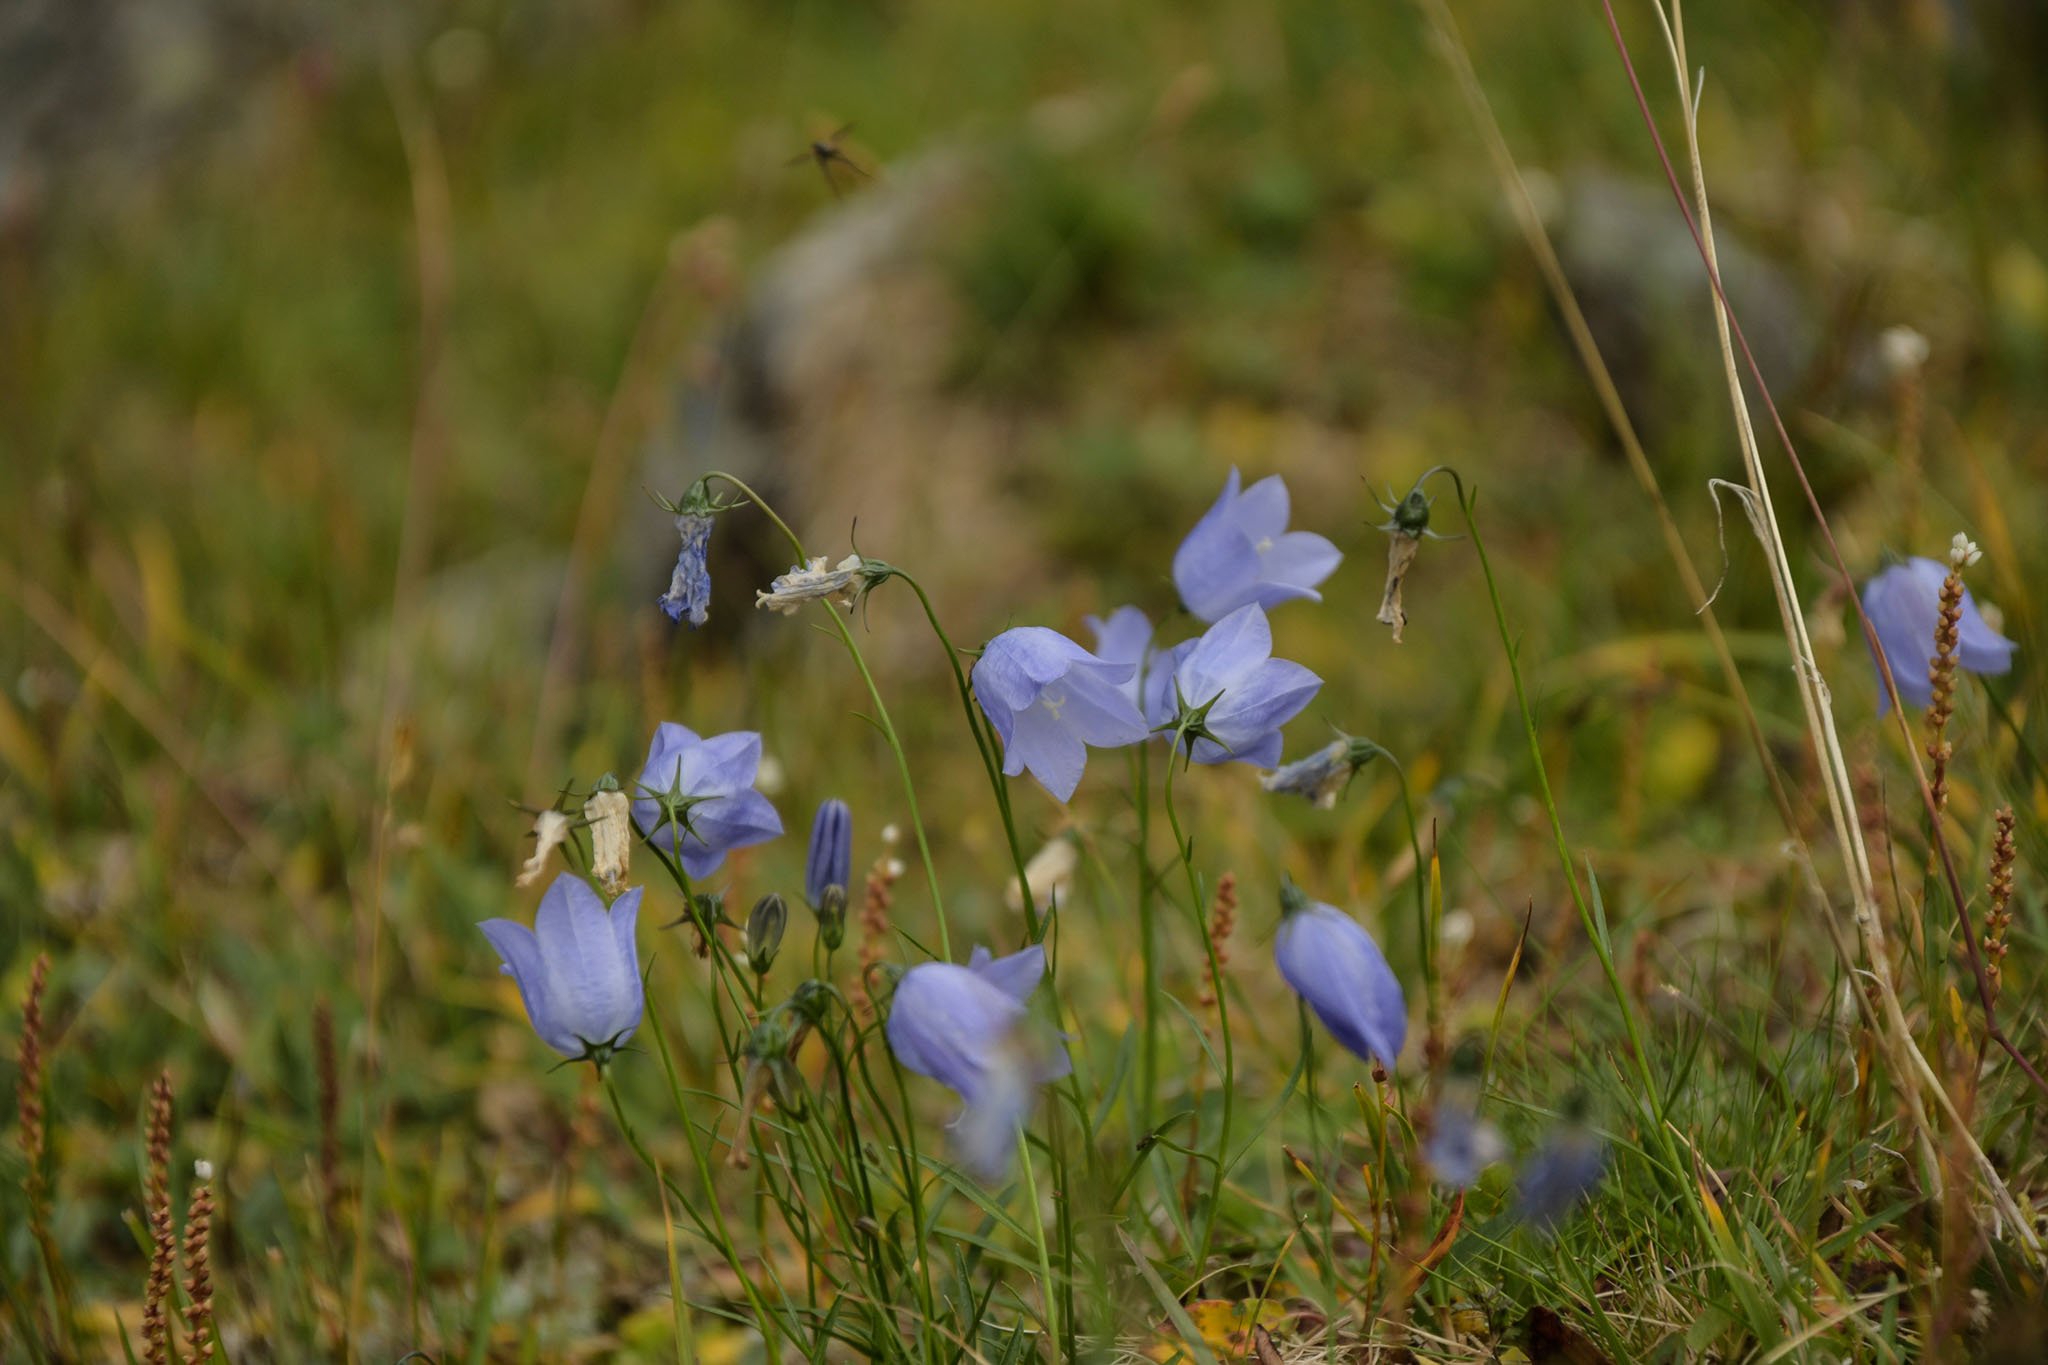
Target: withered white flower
x=550 y=832
x=1050 y=872
x=1320 y=777
x=608 y=813
x=790 y=591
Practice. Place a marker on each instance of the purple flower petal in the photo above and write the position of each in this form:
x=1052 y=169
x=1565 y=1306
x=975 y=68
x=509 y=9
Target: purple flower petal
x=945 y=1021
x=1048 y=699
x=1334 y=965
x=966 y=1027
x=1249 y=695
x=1015 y=976
x=577 y=968
x=829 y=861
x=1125 y=638
x=1055 y=755
x=521 y=952
x=719 y=773
x=590 y=984
x=1904 y=606
x=1241 y=552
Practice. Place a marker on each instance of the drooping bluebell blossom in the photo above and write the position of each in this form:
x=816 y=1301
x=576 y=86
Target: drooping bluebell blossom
x=1335 y=967
x=577 y=968
x=1242 y=552
x=967 y=1028
x=765 y=925
x=1125 y=638
x=689 y=587
x=1323 y=775
x=1049 y=699
x=1460 y=1144
x=1248 y=693
x=1564 y=1169
x=1904 y=606
x=830 y=859
x=695 y=797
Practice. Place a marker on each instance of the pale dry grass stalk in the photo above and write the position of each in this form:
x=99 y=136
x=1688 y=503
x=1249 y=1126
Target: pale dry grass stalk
x=1910 y=1066
x=1537 y=238
x=156 y=1324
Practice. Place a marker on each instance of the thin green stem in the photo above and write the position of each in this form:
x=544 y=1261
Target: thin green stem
x=881 y=717
x=1425 y=942
x=1048 y=1289
x=1673 y=1162
x=987 y=746
x=1148 y=948
x=716 y=1231
x=1185 y=852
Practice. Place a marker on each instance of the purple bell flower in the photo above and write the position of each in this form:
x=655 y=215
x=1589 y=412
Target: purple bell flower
x=967 y=1028
x=577 y=968
x=1565 y=1168
x=1335 y=967
x=1125 y=638
x=689 y=587
x=1241 y=552
x=709 y=786
x=1253 y=693
x=1049 y=699
x=1461 y=1145
x=1904 y=607
x=830 y=860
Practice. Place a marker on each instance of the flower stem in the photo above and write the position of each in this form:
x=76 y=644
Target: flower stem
x=985 y=743
x=881 y=717
x=1148 y=949
x=1185 y=851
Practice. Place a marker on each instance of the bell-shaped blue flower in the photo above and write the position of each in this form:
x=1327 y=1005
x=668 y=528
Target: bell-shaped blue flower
x=695 y=797
x=1049 y=699
x=967 y=1028
x=1564 y=1168
x=1125 y=638
x=1904 y=607
x=1460 y=1144
x=1241 y=551
x=577 y=968
x=1248 y=693
x=689 y=587
x=830 y=859
x=1335 y=967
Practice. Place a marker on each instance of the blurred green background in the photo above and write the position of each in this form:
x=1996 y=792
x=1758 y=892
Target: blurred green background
x=337 y=347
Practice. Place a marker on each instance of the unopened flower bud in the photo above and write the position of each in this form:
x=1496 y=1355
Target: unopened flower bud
x=829 y=861
x=765 y=923
x=810 y=1001
x=832 y=917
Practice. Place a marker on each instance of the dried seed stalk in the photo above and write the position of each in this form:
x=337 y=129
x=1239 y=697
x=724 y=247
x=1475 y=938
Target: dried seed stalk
x=156 y=1326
